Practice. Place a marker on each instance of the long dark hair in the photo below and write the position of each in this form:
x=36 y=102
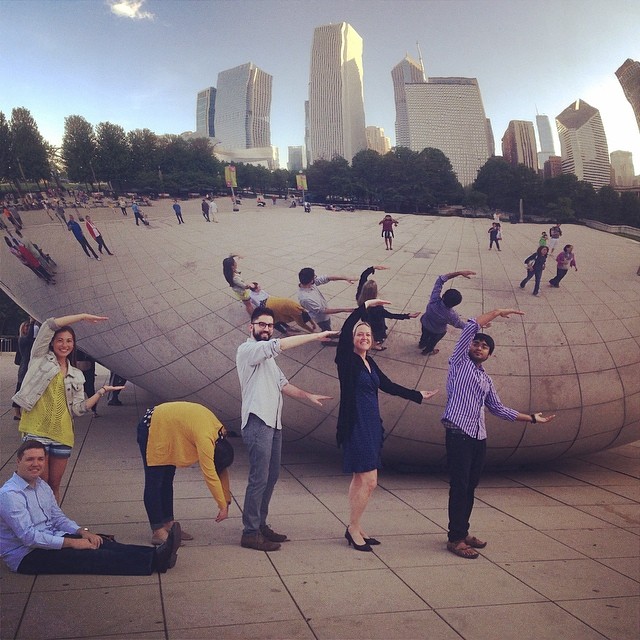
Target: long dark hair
x=72 y=357
x=227 y=269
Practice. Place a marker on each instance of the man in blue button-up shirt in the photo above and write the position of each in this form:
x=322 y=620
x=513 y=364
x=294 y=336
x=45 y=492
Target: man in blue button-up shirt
x=36 y=537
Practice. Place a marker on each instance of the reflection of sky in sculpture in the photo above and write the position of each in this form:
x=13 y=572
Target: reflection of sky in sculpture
x=174 y=325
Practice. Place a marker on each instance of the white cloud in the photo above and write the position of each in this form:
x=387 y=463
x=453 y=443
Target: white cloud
x=130 y=9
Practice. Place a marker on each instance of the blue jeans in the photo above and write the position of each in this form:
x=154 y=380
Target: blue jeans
x=158 y=485
x=264 y=445
x=465 y=459
x=532 y=274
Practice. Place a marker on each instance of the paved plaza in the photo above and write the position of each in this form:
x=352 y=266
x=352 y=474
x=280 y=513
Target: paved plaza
x=563 y=559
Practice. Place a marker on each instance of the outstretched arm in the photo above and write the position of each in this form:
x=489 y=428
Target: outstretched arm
x=349 y=279
x=465 y=274
x=300 y=394
x=534 y=418
x=78 y=317
x=486 y=318
x=296 y=341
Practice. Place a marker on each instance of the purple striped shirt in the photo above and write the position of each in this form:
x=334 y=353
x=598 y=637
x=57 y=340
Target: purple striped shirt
x=470 y=389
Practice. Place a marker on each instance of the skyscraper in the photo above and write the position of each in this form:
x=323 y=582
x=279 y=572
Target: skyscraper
x=583 y=144
x=205 y=112
x=448 y=114
x=336 y=97
x=629 y=77
x=377 y=141
x=622 y=173
x=547 y=148
x=519 y=144
x=243 y=107
x=408 y=71
x=297 y=159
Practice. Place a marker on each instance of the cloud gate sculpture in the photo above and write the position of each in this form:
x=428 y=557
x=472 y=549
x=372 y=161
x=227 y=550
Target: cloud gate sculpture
x=174 y=324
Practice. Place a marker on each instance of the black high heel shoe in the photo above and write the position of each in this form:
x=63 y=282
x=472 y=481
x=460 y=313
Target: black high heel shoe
x=371 y=541
x=357 y=547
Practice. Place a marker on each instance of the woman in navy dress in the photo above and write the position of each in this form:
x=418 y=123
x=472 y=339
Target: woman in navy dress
x=360 y=431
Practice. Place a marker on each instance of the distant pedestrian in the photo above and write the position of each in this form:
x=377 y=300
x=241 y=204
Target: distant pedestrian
x=205 y=210
x=60 y=214
x=554 y=233
x=494 y=235
x=122 y=203
x=535 y=266
x=137 y=213
x=543 y=239
x=94 y=232
x=75 y=228
x=213 y=209
x=387 y=230
x=564 y=261
x=178 y=211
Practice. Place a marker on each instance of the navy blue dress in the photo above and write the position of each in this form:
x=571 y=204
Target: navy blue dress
x=363 y=448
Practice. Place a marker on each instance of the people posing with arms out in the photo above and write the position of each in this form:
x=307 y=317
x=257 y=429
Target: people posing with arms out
x=565 y=260
x=262 y=385
x=555 y=233
x=494 y=235
x=439 y=313
x=359 y=431
x=469 y=391
x=535 y=266
x=241 y=289
x=52 y=391
x=36 y=537
x=368 y=290
x=311 y=298
x=387 y=230
x=179 y=434
x=94 y=232
x=285 y=310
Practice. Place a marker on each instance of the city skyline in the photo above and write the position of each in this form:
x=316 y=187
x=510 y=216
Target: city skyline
x=160 y=54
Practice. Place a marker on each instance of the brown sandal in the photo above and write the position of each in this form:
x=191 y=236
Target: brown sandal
x=472 y=541
x=462 y=549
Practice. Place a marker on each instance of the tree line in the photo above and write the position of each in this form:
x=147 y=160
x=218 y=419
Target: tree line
x=399 y=181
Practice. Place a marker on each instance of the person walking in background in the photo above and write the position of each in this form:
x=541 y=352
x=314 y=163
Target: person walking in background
x=122 y=203
x=213 y=209
x=60 y=213
x=543 y=239
x=137 y=213
x=94 y=232
x=359 y=431
x=75 y=228
x=204 y=205
x=469 y=391
x=177 y=209
x=262 y=386
x=387 y=230
x=555 y=233
x=494 y=235
x=375 y=316
x=565 y=260
x=439 y=313
x=535 y=266
x=26 y=337
x=52 y=391
x=87 y=365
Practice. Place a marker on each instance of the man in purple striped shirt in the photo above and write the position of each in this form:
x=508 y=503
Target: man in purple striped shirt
x=469 y=390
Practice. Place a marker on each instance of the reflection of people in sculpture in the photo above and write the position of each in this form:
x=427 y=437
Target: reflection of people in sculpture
x=26 y=336
x=179 y=434
x=535 y=266
x=565 y=260
x=368 y=290
x=95 y=233
x=360 y=432
x=52 y=391
x=238 y=285
x=469 y=391
x=285 y=310
x=75 y=228
x=36 y=537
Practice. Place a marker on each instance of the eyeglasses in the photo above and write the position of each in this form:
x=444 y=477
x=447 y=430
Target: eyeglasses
x=263 y=325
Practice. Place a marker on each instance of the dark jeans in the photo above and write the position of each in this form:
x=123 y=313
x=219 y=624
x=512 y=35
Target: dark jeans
x=531 y=274
x=465 y=459
x=111 y=559
x=560 y=273
x=86 y=247
x=102 y=244
x=158 y=485
x=429 y=340
x=492 y=240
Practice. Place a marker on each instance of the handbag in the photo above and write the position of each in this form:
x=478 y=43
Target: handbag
x=223 y=452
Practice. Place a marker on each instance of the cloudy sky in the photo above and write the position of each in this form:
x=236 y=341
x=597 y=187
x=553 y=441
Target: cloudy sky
x=140 y=63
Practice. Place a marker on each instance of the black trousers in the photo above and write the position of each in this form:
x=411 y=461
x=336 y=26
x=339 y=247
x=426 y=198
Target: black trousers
x=86 y=247
x=465 y=459
x=110 y=559
x=429 y=340
x=560 y=273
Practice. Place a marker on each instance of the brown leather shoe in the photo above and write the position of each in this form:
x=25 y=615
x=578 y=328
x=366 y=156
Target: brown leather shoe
x=268 y=533
x=258 y=541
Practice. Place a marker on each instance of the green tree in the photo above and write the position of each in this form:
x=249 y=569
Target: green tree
x=27 y=147
x=113 y=156
x=5 y=148
x=78 y=149
x=630 y=209
x=500 y=181
x=368 y=176
x=145 y=154
x=475 y=200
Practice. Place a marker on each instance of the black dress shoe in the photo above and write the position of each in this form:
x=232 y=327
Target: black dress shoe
x=166 y=554
x=372 y=541
x=357 y=547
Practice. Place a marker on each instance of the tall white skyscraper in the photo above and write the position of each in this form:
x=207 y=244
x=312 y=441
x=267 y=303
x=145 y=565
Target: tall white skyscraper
x=243 y=107
x=205 y=112
x=336 y=97
x=583 y=144
x=519 y=144
x=377 y=141
x=622 y=173
x=408 y=71
x=547 y=147
x=448 y=114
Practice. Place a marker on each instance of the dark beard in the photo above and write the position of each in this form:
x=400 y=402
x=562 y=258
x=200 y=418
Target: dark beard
x=260 y=338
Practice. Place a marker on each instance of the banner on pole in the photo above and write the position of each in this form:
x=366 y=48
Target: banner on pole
x=301 y=182
x=230 y=176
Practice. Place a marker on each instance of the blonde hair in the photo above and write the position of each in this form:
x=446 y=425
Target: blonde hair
x=369 y=292
x=360 y=324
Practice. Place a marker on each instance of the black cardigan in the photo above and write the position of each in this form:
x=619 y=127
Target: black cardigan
x=349 y=366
